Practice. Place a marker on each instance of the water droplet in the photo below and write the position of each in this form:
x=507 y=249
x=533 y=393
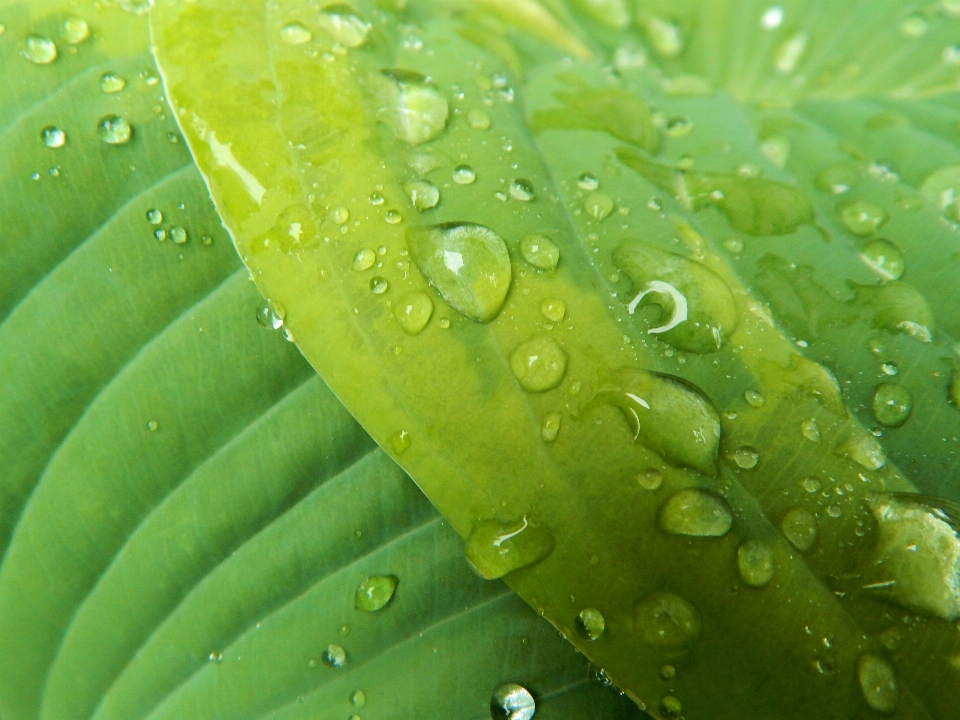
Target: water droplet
x=270 y=315
x=884 y=258
x=834 y=511
x=772 y=18
x=746 y=457
x=521 y=189
x=755 y=562
x=810 y=484
x=206 y=240
x=413 y=107
x=650 y=479
x=392 y=217
x=379 y=285
x=40 y=50
x=423 y=194
x=478 y=119
x=667 y=672
x=339 y=215
x=790 y=52
x=550 y=426
x=754 y=399
x=53 y=137
x=467 y=263
x=863 y=217
x=540 y=251
x=75 y=30
x=344 y=25
x=696 y=512
x=464 y=175
x=864 y=450
x=670 y=706
x=364 y=260
x=588 y=181
x=496 y=548
x=539 y=364
x=598 y=206
x=889 y=369
x=598 y=676
x=512 y=702
x=375 y=592
x=160 y=234
x=152 y=425
x=891 y=638
x=334 y=656
x=914 y=26
x=358 y=698
x=892 y=404
x=295 y=34
x=178 y=235
x=878 y=683
x=810 y=430
x=154 y=216
x=733 y=245
x=800 y=528
x=679 y=126
x=114 y=130
x=400 y=441
x=444 y=323
x=667 y=620
x=413 y=312
x=553 y=310
x=110 y=82
x=590 y=623
x=664 y=36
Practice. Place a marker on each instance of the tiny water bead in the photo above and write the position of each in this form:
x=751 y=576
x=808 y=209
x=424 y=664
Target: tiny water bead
x=539 y=364
x=478 y=119
x=521 y=189
x=496 y=548
x=754 y=399
x=553 y=310
x=270 y=314
x=598 y=206
x=863 y=217
x=343 y=24
x=588 y=181
x=892 y=404
x=512 y=702
x=110 y=82
x=755 y=562
x=800 y=528
x=114 y=130
x=53 y=137
x=364 y=260
x=413 y=312
x=884 y=258
x=358 y=698
x=333 y=656
x=696 y=513
x=810 y=430
x=878 y=681
x=540 y=251
x=154 y=216
x=379 y=285
x=375 y=592
x=75 y=30
x=746 y=457
x=550 y=426
x=666 y=620
x=423 y=194
x=650 y=479
x=412 y=106
x=464 y=175
x=39 y=50
x=178 y=235
x=590 y=623
x=295 y=34
x=152 y=425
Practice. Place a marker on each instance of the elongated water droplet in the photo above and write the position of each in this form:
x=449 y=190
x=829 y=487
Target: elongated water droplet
x=334 y=656
x=696 y=512
x=884 y=258
x=892 y=404
x=790 y=52
x=344 y=25
x=863 y=217
x=467 y=263
x=664 y=36
x=40 y=50
x=553 y=310
x=75 y=30
x=53 y=137
x=496 y=548
x=375 y=592
x=413 y=107
x=598 y=206
x=295 y=34
x=755 y=562
x=754 y=399
x=878 y=682
x=550 y=426
x=810 y=430
x=667 y=620
x=863 y=450
x=521 y=189
x=679 y=127
x=464 y=175
x=110 y=82
x=423 y=194
x=512 y=702
x=364 y=259
x=114 y=130
x=413 y=312
x=540 y=251
x=178 y=235
x=270 y=314
x=590 y=623
x=800 y=528
x=539 y=364
x=588 y=181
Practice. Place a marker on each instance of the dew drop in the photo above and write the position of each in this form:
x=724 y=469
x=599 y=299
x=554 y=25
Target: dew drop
x=114 y=130
x=590 y=623
x=550 y=426
x=375 y=592
x=667 y=620
x=754 y=399
x=75 y=30
x=892 y=404
x=496 y=548
x=598 y=206
x=154 y=216
x=270 y=315
x=379 y=285
x=755 y=562
x=423 y=194
x=810 y=430
x=696 y=512
x=800 y=528
x=53 y=137
x=364 y=260
x=863 y=217
x=540 y=251
x=553 y=310
x=358 y=698
x=400 y=441
x=344 y=25
x=39 y=50
x=413 y=312
x=746 y=457
x=884 y=258
x=889 y=369
x=878 y=683
x=412 y=106
x=160 y=234
x=539 y=364
x=650 y=479
x=834 y=511
x=810 y=484
x=464 y=175
x=671 y=706
x=521 y=189
x=588 y=181
x=334 y=656
x=152 y=425
x=512 y=702
x=295 y=34
x=339 y=215
x=376 y=198
x=110 y=82
x=178 y=235
x=392 y=217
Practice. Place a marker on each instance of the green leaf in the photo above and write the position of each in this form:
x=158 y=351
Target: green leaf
x=592 y=449
x=187 y=510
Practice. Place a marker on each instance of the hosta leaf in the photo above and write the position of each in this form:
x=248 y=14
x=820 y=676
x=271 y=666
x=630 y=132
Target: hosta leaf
x=376 y=186
x=187 y=510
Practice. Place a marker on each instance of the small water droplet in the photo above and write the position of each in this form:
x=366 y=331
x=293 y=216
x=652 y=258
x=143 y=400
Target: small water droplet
x=512 y=702
x=152 y=425
x=444 y=323
x=864 y=450
x=464 y=175
x=358 y=698
x=889 y=369
x=400 y=441
x=590 y=623
x=114 y=130
x=375 y=592
x=679 y=126
x=206 y=240
x=664 y=35
x=667 y=620
x=811 y=484
x=160 y=234
x=478 y=119
x=295 y=34
x=754 y=399
x=392 y=217
x=339 y=215
x=110 y=82
x=810 y=430
x=884 y=258
x=413 y=312
x=696 y=512
x=496 y=548
x=553 y=310
x=733 y=245
x=423 y=194
x=800 y=528
x=598 y=676
x=550 y=426
x=892 y=404
x=588 y=181
x=75 y=30
x=863 y=217
x=334 y=656
x=878 y=681
x=671 y=706
x=539 y=364
x=412 y=106
x=521 y=189
x=364 y=260
x=650 y=479
x=270 y=314
x=178 y=235
x=53 y=137
x=344 y=25
x=540 y=251
x=598 y=206
x=379 y=285
x=790 y=52
x=40 y=50
x=834 y=511
x=746 y=457
x=755 y=561
x=154 y=216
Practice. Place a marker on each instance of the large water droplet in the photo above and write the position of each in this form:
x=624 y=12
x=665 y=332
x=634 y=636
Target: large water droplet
x=53 y=137
x=521 y=189
x=512 y=702
x=878 y=683
x=344 y=25
x=540 y=251
x=598 y=206
x=755 y=562
x=110 y=82
x=667 y=620
x=467 y=263
x=590 y=623
x=696 y=512
x=539 y=364
x=75 y=30
x=413 y=107
x=863 y=217
x=496 y=548
x=40 y=50
x=413 y=312
x=375 y=592
x=295 y=34
x=270 y=314
x=333 y=656
x=464 y=175
x=423 y=194
x=114 y=130
x=884 y=258
x=892 y=404
x=800 y=528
